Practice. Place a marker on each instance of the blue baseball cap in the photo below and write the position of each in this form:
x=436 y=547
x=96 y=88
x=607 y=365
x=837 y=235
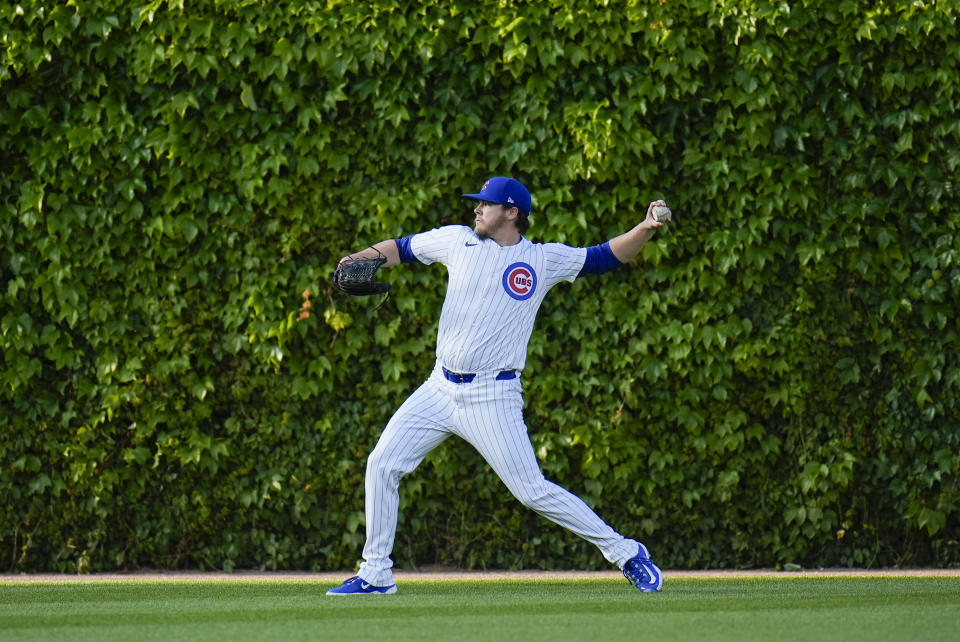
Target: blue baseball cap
x=505 y=191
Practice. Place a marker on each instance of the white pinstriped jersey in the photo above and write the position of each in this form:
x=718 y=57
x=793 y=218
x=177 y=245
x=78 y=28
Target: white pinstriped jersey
x=493 y=294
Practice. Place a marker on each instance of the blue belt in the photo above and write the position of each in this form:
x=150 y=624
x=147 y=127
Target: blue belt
x=467 y=377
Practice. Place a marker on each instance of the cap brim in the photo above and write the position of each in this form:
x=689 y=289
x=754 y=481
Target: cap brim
x=473 y=196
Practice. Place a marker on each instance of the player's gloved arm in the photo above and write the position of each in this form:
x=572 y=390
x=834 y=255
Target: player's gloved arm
x=387 y=248
x=628 y=245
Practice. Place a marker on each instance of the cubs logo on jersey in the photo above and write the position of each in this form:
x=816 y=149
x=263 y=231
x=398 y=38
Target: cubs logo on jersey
x=520 y=281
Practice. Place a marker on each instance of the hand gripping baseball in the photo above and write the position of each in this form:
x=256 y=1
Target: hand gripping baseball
x=660 y=212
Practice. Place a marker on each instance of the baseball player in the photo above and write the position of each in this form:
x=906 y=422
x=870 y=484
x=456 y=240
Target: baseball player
x=497 y=280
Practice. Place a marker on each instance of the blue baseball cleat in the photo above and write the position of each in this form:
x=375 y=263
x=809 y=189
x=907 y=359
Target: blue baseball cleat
x=356 y=586
x=642 y=572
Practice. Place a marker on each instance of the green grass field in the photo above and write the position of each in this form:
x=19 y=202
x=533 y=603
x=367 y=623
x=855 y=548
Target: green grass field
x=736 y=609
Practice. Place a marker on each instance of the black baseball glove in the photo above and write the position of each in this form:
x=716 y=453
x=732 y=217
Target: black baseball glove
x=356 y=276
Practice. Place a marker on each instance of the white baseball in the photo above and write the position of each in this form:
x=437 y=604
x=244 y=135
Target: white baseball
x=662 y=213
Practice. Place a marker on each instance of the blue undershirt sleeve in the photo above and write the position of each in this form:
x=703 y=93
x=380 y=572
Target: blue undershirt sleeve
x=600 y=259
x=403 y=247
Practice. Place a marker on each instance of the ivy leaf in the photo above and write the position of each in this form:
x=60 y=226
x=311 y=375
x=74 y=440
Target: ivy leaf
x=246 y=96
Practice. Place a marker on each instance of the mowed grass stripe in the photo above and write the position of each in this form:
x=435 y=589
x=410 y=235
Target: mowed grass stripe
x=789 y=608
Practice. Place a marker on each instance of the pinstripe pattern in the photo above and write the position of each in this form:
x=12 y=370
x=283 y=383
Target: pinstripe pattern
x=481 y=326
x=485 y=325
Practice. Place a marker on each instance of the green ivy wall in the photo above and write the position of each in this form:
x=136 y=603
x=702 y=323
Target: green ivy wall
x=775 y=380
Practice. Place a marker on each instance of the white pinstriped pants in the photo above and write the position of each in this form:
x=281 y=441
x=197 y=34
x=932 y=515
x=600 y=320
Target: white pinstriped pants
x=489 y=415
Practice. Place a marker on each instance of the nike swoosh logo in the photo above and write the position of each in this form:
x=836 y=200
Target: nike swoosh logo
x=470 y=244
x=364 y=586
